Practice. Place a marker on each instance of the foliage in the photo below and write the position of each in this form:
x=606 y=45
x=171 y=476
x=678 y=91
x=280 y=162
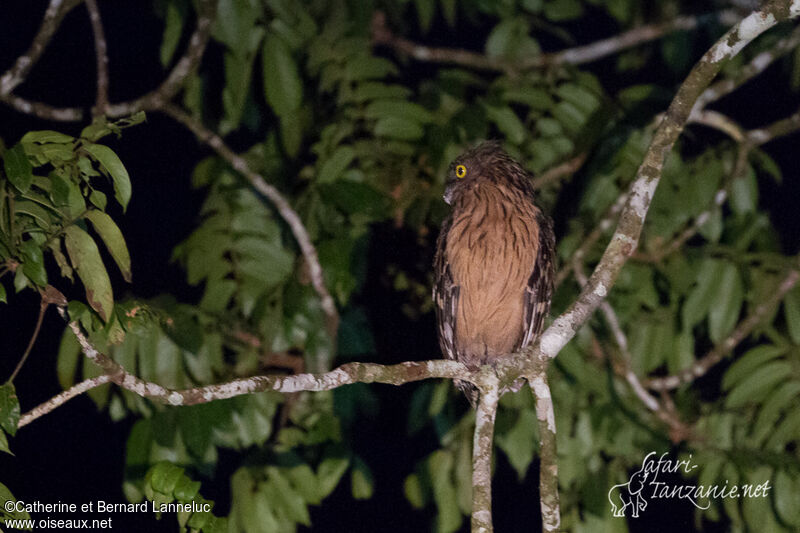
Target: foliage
x=355 y=137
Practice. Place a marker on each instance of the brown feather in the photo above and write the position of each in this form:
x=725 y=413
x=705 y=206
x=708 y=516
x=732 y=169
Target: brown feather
x=494 y=262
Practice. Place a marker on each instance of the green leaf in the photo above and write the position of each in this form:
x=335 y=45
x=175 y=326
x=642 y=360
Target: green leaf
x=726 y=303
x=173 y=28
x=285 y=497
x=785 y=496
x=533 y=97
x=786 y=431
x=85 y=257
x=398 y=128
x=425 y=11
x=4 y=443
x=507 y=122
x=561 y=10
x=46 y=136
x=440 y=464
x=354 y=197
x=758 y=384
x=69 y=351
x=9 y=409
x=511 y=39
x=291 y=133
x=697 y=304
x=400 y=109
x=412 y=488
x=164 y=477
x=186 y=489
x=33 y=263
x=3 y=294
x=361 y=483
x=112 y=237
x=519 y=442
x=449 y=11
x=330 y=471
x=791 y=309
x=676 y=49
x=333 y=167
x=744 y=193
x=18 y=169
x=749 y=362
x=111 y=162
x=783 y=398
x=368 y=67
x=282 y=84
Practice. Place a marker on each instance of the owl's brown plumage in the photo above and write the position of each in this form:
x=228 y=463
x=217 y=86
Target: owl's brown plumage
x=493 y=270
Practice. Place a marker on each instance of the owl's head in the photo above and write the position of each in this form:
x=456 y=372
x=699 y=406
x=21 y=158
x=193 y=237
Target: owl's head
x=485 y=162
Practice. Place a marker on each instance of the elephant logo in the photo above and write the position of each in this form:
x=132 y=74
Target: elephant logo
x=629 y=494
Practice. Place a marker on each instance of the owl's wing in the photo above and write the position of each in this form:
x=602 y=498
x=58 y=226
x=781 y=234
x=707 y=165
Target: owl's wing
x=445 y=295
x=540 y=284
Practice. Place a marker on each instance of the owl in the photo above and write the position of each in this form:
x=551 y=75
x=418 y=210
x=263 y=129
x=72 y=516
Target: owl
x=494 y=262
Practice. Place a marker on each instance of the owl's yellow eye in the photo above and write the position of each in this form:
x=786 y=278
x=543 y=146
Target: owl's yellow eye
x=461 y=171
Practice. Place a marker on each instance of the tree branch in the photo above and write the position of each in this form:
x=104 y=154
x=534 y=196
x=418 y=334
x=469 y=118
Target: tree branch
x=756 y=66
x=482 y=455
x=600 y=228
x=346 y=374
x=154 y=100
x=747 y=141
x=739 y=333
x=626 y=237
x=382 y=35
x=42 y=308
x=286 y=211
x=101 y=54
x=150 y=101
x=558 y=172
x=53 y=15
x=777 y=129
x=623 y=367
x=548 y=452
x=59 y=400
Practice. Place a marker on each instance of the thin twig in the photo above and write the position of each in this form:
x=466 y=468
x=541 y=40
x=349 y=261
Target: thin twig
x=42 y=308
x=626 y=237
x=53 y=16
x=718 y=352
x=603 y=226
x=693 y=227
x=559 y=172
x=747 y=141
x=42 y=110
x=154 y=100
x=756 y=66
x=482 y=457
x=626 y=372
x=718 y=121
x=382 y=35
x=286 y=211
x=623 y=367
x=60 y=399
x=49 y=295
x=101 y=55
x=779 y=128
x=150 y=101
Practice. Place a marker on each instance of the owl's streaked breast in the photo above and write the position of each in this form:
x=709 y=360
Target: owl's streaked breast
x=491 y=250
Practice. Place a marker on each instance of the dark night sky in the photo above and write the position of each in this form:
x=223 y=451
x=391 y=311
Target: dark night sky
x=77 y=454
